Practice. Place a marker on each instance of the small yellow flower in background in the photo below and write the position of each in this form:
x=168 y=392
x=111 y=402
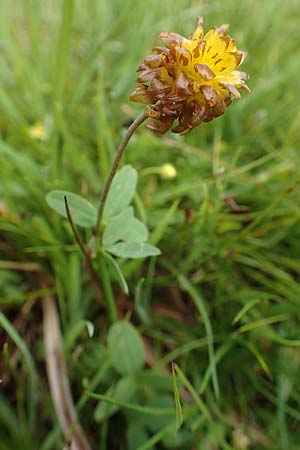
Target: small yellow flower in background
x=38 y=131
x=193 y=80
x=168 y=171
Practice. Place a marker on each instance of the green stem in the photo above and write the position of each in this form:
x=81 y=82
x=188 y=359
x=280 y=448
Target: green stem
x=106 y=282
x=107 y=290
x=122 y=147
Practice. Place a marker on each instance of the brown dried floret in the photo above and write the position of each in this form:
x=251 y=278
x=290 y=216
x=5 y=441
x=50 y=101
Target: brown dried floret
x=190 y=80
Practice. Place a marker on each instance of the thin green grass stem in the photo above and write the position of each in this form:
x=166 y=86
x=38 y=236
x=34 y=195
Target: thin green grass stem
x=59 y=82
x=199 y=302
x=107 y=288
x=151 y=411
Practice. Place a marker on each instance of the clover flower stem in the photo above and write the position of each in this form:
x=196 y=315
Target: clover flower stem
x=122 y=147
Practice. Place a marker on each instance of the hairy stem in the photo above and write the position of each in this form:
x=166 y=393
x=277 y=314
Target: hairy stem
x=122 y=147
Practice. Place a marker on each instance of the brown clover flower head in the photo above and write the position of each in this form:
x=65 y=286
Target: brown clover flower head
x=193 y=80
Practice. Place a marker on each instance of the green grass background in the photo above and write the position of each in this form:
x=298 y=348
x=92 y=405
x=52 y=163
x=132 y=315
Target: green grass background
x=223 y=300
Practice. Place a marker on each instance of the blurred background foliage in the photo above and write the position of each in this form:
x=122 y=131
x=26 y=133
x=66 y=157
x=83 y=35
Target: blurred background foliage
x=222 y=301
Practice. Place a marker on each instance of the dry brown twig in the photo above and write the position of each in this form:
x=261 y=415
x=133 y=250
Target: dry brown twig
x=58 y=379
